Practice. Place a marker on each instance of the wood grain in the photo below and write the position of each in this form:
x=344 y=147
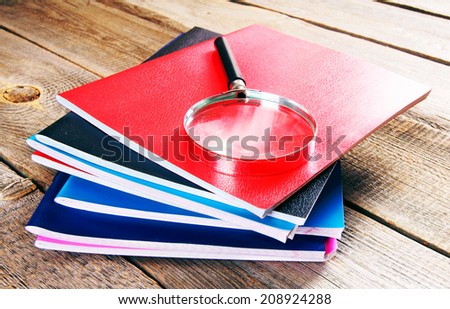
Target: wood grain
x=234 y=16
x=25 y=64
x=411 y=198
x=370 y=256
x=434 y=7
x=101 y=39
x=374 y=189
x=12 y=186
x=205 y=14
x=401 y=174
x=433 y=112
x=25 y=266
x=406 y=30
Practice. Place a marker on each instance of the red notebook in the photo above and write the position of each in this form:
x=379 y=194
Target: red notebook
x=142 y=106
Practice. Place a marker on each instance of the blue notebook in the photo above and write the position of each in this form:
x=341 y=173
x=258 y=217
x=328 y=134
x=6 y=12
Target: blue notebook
x=66 y=228
x=276 y=225
x=326 y=218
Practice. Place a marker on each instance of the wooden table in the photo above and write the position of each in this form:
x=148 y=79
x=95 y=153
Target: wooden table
x=397 y=205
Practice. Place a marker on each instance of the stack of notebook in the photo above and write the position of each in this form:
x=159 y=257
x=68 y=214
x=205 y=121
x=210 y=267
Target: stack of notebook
x=118 y=191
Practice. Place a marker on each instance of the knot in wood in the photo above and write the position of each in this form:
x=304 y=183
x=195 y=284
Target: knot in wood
x=21 y=94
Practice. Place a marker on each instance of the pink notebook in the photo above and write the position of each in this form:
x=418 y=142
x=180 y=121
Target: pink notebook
x=176 y=250
x=144 y=105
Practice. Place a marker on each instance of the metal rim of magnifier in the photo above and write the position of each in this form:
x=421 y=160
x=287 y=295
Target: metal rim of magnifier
x=239 y=94
x=235 y=96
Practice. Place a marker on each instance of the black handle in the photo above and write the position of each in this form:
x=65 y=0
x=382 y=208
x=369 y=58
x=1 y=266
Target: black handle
x=229 y=63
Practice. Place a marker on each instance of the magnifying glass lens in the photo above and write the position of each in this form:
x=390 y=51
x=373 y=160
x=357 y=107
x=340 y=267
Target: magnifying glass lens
x=250 y=129
x=249 y=125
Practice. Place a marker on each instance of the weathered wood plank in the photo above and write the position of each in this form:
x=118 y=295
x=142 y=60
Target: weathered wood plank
x=12 y=186
x=370 y=256
x=371 y=248
x=365 y=243
x=209 y=274
x=234 y=16
x=26 y=65
x=188 y=14
x=406 y=30
x=432 y=116
x=402 y=175
x=426 y=71
x=438 y=119
x=25 y=266
x=102 y=39
x=434 y=7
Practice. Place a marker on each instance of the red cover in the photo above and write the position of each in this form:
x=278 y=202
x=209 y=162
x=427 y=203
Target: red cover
x=348 y=97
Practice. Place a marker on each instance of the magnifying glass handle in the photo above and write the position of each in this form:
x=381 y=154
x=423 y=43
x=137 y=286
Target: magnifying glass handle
x=235 y=79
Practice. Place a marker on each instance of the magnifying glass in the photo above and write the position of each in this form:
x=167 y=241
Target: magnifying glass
x=243 y=127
